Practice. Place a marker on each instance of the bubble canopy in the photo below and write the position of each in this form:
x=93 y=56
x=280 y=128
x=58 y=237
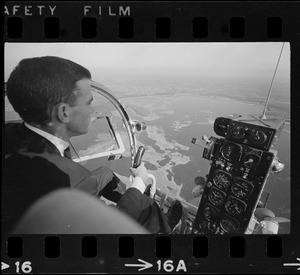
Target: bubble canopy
x=103 y=138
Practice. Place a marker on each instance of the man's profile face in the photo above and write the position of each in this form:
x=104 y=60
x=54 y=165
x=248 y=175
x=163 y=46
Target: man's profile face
x=80 y=116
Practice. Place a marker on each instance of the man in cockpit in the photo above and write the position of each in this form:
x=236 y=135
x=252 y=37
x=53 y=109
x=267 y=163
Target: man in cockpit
x=53 y=97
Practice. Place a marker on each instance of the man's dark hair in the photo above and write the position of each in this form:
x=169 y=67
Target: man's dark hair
x=37 y=84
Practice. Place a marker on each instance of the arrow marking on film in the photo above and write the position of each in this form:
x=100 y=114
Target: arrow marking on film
x=143 y=266
x=4 y=266
x=293 y=264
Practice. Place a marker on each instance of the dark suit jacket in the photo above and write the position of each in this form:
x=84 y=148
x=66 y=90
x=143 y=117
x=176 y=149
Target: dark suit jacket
x=33 y=167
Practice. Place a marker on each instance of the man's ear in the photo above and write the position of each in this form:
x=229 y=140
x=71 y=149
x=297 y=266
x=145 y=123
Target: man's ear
x=62 y=112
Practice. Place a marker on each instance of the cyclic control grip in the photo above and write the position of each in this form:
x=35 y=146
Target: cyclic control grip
x=138 y=157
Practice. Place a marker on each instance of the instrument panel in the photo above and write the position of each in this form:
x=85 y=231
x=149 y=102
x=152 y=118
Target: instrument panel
x=240 y=164
x=234 y=182
x=256 y=136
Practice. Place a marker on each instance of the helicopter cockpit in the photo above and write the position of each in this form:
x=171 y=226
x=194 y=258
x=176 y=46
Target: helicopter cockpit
x=233 y=200
x=233 y=191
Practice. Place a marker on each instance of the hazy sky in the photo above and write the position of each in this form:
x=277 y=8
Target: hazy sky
x=236 y=59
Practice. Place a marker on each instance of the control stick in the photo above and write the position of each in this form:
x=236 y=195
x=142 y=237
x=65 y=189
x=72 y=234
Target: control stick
x=136 y=163
x=138 y=157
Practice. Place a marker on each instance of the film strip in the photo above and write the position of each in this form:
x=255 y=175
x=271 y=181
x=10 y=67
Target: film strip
x=162 y=23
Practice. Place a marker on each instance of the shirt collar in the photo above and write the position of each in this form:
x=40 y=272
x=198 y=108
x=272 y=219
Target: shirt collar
x=60 y=144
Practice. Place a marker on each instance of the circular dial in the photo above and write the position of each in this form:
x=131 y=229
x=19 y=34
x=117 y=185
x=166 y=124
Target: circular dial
x=231 y=151
x=237 y=132
x=229 y=224
x=210 y=213
x=241 y=189
x=258 y=137
x=251 y=160
x=235 y=207
x=222 y=180
x=216 y=197
x=208 y=227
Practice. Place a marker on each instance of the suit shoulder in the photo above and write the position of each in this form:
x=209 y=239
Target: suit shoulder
x=67 y=164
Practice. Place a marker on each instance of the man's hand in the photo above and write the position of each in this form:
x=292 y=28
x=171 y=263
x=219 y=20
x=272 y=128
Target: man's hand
x=141 y=172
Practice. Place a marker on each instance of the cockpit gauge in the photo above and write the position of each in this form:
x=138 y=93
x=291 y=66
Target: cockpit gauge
x=222 y=180
x=210 y=213
x=241 y=189
x=229 y=224
x=258 y=137
x=216 y=197
x=251 y=160
x=231 y=151
x=221 y=126
x=208 y=227
x=237 y=132
x=234 y=206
